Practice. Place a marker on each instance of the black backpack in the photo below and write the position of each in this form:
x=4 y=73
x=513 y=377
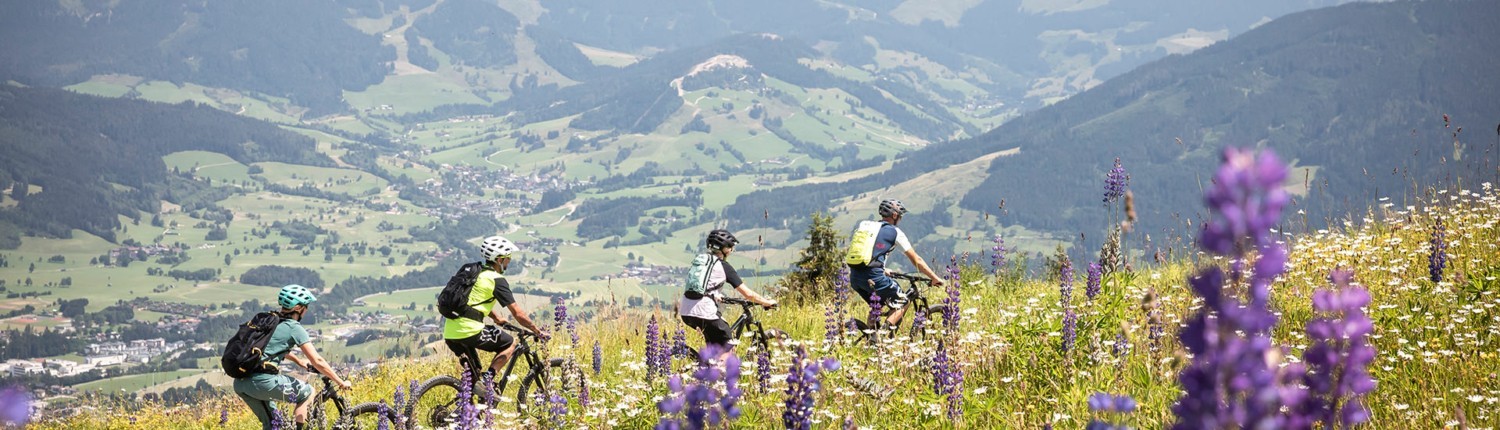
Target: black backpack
x=453 y=301
x=244 y=355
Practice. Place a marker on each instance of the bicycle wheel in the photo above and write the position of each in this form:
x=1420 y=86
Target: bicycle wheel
x=434 y=403
x=535 y=392
x=934 y=316
x=362 y=416
x=325 y=411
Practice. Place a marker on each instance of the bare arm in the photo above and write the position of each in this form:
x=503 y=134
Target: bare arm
x=753 y=297
x=515 y=309
x=499 y=318
x=916 y=260
x=321 y=365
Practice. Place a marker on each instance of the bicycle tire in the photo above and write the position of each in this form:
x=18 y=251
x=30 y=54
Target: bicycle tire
x=435 y=411
x=535 y=380
x=361 y=416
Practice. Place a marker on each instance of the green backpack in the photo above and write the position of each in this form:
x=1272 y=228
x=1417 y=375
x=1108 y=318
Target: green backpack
x=695 y=285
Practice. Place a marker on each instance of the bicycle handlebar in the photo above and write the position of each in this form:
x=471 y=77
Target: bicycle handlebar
x=519 y=331
x=899 y=275
x=741 y=302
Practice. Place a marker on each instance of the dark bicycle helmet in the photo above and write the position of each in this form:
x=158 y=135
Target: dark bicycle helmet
x=889 y=207
x=720 y=239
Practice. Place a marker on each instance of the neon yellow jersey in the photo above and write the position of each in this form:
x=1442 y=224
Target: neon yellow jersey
x=489 y=284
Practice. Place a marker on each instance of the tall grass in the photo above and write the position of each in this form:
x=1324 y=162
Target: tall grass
x=1436 y=363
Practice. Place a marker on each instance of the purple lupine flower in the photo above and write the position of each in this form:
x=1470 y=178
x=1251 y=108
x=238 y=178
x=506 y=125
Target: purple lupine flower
x=278 y=420
x=1337 y=362
x=1069 y=330
x=952 y=301
x=1245 y=202
x=15 y=406
x=223 y=415
x=831 y=325
x=664 y=354
x=947 y=380
x=763 y=369
x=398 y=402
x=1115 y=183
x=679 y=343
x=489 y=398
x=1107 y=404
x=653 y=331
x=1438 y=245
x=1121 y=346
x=703 y=403
x=598 y=357
x=875 y=314
x=997 y=254
x=1230 y=383
x=841 y=301
x=1096 y=277
x=1104 y=402
x=584 y=395
x=1065 y=283
x=802 y=384
x=939 y=368
x=558 y=409
x=383 y=416
x=559 y=314
x=468 y=414
x=573 y=330
x=919 y=324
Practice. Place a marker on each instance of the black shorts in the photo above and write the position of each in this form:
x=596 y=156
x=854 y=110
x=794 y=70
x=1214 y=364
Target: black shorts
x=491 y=339
x=715 y=331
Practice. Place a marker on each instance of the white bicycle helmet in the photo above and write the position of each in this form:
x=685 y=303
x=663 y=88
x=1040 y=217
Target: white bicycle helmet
x=497 y=246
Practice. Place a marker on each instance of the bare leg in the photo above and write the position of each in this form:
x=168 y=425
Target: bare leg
x=895 y=319
x=502 y=357
x=300 y=413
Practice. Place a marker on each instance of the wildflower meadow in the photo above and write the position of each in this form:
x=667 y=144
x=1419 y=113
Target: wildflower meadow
x=1384 y=320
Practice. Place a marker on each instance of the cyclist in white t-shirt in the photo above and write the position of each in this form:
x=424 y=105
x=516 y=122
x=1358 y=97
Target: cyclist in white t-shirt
x=701 y=310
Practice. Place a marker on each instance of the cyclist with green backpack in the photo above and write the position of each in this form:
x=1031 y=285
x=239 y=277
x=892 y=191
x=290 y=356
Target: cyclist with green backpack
x=869 y=245
x=708 y=274
x=259 y=382
x=467 y=335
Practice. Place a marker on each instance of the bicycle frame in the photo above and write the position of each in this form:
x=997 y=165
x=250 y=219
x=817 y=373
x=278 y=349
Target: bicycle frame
x=746 y=321
x=523 y=350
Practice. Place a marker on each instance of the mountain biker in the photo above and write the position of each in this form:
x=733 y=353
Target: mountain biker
x=491 y=292
x=260 y=389
x=870 y=278
x=701 y=310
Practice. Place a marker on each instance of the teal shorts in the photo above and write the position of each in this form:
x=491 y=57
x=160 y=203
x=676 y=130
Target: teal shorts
x=262 y=391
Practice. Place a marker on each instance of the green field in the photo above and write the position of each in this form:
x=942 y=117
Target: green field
x=410 y=93
x=135 y=383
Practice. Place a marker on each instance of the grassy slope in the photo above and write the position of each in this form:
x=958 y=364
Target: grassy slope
x=1436 y=355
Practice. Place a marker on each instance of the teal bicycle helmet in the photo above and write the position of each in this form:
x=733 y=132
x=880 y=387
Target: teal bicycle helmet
x=293 y=295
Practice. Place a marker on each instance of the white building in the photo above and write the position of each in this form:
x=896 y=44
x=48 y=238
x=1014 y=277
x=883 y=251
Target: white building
x=105 y=360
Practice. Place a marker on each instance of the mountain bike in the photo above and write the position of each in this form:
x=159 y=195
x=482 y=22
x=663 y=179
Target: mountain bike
x=330 y=411
x=914 y=300
x=746 y=323
x=435 y=403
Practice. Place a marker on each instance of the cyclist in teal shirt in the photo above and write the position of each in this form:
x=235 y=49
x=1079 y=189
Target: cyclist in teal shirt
x=260 y=390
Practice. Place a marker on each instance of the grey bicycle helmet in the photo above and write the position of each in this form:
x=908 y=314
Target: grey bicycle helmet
x=720 y=239
x=889 y=207
x=293 y=295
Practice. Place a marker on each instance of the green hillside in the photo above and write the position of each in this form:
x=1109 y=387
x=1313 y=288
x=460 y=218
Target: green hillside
x=1434 y=362
x=1356 y=93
